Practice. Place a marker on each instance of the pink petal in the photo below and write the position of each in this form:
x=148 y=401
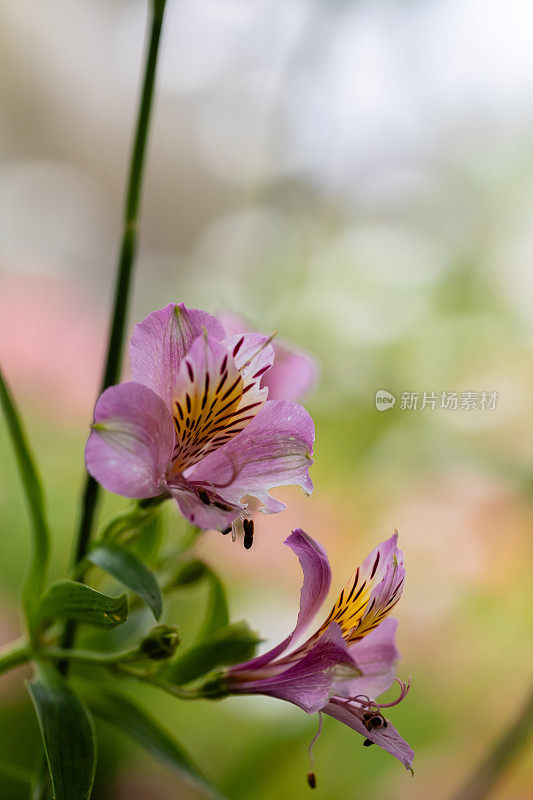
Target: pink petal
x=316 y=582
x=370 y=594
x=294 y=372
x=131 y=443
x=307 y=683
x=387 y=738
x=212 y=515
x=211 y=403
x=376 y=656
x=293 y=375
x=388 y=581
x=273 y=450
x=253 y=356
x=160 y=342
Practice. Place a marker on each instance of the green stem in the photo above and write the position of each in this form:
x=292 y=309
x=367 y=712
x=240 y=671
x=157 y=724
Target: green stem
x=500 y=756
x=89 y=656
x=123 y=280
x=183 y=694
x=36 y=575
x=13 y=654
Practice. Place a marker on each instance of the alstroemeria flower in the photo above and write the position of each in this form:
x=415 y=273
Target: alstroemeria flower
x=294 y=372
x=350 y=659
x=194 y=422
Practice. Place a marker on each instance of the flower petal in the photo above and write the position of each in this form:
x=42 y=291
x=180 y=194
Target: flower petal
x=308 y=682
x=387 y=738
x=317 y=580
x=253 y=356
x=273 y=450
x=211 y=402
x=131 y=442
x=371 y=593
x=376 y=656
x=160 y=342
x=202 y=506
x=293 y=375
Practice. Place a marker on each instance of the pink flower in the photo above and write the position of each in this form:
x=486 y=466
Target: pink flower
x=350 y=659
x=195 y=422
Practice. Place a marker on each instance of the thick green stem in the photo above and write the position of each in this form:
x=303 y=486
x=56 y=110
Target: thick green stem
x=124 y=273
x=13 y=654
x=36 y=575
x=500 y=756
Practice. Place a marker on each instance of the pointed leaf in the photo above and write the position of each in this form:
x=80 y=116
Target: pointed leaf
x=68 y=735
x=72 y=600
x=231 y=645
x=136 y=723
x=34 y=582
x=129 y=570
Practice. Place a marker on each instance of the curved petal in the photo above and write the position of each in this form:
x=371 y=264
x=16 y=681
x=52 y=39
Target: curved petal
x=211 y=403
x=273 y=450
x=308 y=682
x=371 y=593
x=253 y=356
x=131 y=442
x=317 y=580
x=387 y=738
x=160 y=342
x=203 y=507
x=376 y=656
x=293 y=374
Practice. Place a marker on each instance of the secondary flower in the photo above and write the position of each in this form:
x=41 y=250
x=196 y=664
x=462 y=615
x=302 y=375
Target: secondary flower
x=349 y=660
x=196 y=423
x=294 y=372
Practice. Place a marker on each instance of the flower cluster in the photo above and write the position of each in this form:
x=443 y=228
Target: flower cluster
x=210 y=419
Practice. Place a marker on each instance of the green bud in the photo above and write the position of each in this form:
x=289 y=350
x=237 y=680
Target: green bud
x=160 y=643
x=214 y=686
x=230 y=645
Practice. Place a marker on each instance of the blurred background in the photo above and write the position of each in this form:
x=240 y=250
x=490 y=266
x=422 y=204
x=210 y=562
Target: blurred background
x=359 y=177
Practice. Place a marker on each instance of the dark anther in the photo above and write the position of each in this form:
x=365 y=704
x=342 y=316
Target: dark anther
x=311 y=780
x=367 y=742
x=371 y=721
x=204 y=497
x=226 y=531
x=248 y=527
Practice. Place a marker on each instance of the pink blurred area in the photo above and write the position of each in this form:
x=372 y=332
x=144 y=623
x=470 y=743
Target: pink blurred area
x=52 y=342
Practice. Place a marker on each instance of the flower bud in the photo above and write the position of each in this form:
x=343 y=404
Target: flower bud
x=160 y=643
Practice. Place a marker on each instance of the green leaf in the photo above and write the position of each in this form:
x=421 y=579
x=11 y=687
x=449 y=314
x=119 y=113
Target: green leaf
x=147 y=542
x=35 y=579
x=231 y=645
x=15 y=783
x=129 y=570
x=217 y=615
x=68 y=735
x=136 y=723
x=72 y=600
